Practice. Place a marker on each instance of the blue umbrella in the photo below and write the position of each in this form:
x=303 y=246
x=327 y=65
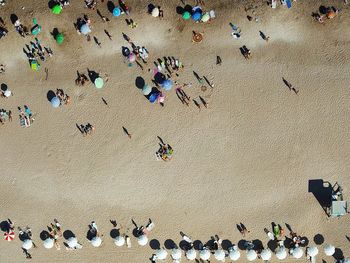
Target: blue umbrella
x=153 y=97
x=196 y=16
x=85 y=29
x=116 y=11
x=55 y=102
x=167 y=84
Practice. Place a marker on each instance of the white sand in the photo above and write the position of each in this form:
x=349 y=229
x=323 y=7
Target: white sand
x=247 y=158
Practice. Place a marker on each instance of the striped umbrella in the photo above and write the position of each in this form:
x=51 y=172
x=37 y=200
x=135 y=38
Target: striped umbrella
x=9 y=236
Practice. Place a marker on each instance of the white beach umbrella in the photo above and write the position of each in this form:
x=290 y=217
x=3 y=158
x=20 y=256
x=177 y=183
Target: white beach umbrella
x=191 y=254
x=119 y=241
x=96 y=241
x=142 y=240
x=251 y=255
x=48 y=243
x=266 y=254
x=176 y=254
x=281 y=253
x=27 y=244
x=312 y=251
x=219 y=255
x=7 y=93
x=329 y=250
x=297 y=252
x=72 y=242
x=234 y=253
x=155 y=12
x=161 y=254
x=204 y=254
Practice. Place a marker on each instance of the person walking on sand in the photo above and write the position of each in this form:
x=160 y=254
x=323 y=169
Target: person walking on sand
x=290 y=86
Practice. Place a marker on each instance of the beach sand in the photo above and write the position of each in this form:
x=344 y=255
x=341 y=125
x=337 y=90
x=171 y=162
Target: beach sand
x=246 y=158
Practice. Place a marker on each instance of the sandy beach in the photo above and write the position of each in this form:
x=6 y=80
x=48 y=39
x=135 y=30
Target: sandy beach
x=248 y=157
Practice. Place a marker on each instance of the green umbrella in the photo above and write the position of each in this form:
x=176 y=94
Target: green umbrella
x=99 y=83
x=59 y=38
x=36 y=28
x=57 y=9
x=186 y=15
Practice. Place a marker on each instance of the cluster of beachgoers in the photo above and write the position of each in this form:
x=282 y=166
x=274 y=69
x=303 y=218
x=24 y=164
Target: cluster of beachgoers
x=279 y=244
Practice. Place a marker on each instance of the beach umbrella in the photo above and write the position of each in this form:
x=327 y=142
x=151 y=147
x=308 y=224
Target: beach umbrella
x=119 y=241
x=96 y=241
x=329 y=250
x=251 y=255
x=9 y=236
x=146 y=90
x=155 y=12
x=7 y=93
x=161 y=254
x=85 y=29
x=48 y=243
x=176 y=254
x=34 y=65
x=205 y=18
x=36 y=28
x=72 y=242
x=57 y=9
x=116 y=11
x=153 y=97
x=98 y=83
x=191 y=254
x=186 y=15
x=312 y=251
x=281 y=253
x=125 y=51
x=196 y=16
x=55 y=102
x=167 y=84
x=234 y=253
x=266 y=254
x=219 y=255
x=142 y=240
x=59 y=38
x=197 y=37
x=204 y=254
x=330 y=15
x=297 y=252
x=27 y=244
x=132 y=57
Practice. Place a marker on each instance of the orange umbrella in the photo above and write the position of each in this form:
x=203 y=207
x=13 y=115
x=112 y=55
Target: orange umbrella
x=330 y=14
x=197 y=37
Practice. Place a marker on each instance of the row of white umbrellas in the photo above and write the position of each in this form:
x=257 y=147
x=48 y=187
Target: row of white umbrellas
x=219 y=254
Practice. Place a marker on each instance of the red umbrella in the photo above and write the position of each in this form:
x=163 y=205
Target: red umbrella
x=9 y=236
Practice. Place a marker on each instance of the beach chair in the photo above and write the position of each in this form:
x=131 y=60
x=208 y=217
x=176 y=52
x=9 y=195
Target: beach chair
x=338 y=207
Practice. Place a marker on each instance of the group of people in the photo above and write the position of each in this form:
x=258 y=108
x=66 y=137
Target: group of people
x=62 y=3
x=63 y=97
x=325 y=13
x=26 y=117
x=81 y=79
x=5 y=115
x=165 y=152
x=86 y=129
x=169 y=64
x=3 y=29
x=21 y=29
